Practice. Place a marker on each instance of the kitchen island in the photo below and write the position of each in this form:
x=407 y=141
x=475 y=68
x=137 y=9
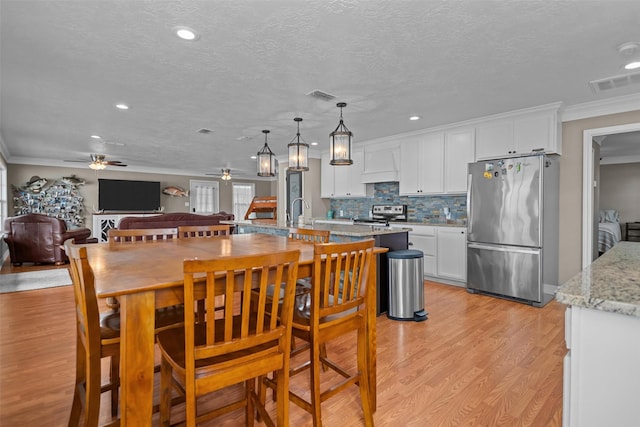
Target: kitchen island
x=602 y=332
x=385 y=237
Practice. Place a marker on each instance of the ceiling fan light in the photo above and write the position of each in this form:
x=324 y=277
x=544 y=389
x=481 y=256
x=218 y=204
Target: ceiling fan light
x=298 y=152
x=632 y=65
x=97 y=166
x=340 y=142
x=266 y=159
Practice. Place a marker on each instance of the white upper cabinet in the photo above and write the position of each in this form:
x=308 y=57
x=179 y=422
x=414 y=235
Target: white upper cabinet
x=520 y=133
x=343 y=181
x=459 y=151
x=422 y=166
x=326 y=177
x=436 y=162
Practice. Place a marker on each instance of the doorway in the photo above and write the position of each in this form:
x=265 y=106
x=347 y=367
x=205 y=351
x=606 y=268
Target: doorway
x=589 y=201
x=294 y=191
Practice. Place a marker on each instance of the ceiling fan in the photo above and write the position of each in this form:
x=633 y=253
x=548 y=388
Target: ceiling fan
x=99 y=161
x=225 y=174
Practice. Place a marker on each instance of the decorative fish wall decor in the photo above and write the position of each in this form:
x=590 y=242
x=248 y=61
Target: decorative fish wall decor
x=175 y=191
x=72 y=180
x=35 y=184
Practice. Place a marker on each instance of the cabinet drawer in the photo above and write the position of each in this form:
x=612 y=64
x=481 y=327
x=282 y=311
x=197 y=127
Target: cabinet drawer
x=422 y=230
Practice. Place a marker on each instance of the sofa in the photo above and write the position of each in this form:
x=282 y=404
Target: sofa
x=173 y=220
x=38 y=238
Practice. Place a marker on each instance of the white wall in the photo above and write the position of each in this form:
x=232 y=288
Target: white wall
x=620 y=190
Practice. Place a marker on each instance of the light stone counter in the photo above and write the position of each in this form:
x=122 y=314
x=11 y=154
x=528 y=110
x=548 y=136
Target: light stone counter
x=611 y=283
x=335 y=229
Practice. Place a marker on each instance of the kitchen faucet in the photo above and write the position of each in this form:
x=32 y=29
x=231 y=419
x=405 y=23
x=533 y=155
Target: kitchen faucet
x=291 y=221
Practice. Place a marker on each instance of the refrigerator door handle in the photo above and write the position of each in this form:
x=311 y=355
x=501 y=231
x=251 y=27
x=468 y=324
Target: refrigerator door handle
x=469 y=206
x=503 y=248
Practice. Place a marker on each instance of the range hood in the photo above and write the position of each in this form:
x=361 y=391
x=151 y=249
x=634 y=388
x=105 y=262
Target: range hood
x=381 y=164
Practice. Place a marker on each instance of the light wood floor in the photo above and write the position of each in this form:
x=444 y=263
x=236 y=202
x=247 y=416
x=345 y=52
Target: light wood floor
x=477 y=361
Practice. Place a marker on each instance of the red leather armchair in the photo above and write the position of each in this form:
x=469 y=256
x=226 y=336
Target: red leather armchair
x=38 y=238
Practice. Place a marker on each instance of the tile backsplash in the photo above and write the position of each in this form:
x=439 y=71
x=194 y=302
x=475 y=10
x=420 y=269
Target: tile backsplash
x=419 y=209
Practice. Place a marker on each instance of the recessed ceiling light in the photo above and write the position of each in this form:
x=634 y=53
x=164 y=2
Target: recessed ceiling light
x=414 y=118
x=314 y=143
x=253 y=157
x=122 y=106
x=632 y=65
x=95 y=136
x=186 y=33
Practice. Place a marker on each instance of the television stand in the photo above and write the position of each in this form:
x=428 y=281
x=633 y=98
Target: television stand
x=102 y=223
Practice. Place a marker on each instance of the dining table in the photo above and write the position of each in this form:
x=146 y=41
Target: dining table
x=147 y=276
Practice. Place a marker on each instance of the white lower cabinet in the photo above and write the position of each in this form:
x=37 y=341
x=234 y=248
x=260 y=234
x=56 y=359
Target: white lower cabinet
x=445 y=252
x=601 y=369
x=452 y=253
x=424 y=239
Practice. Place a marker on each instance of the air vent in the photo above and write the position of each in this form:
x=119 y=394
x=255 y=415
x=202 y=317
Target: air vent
x=614 y=82
x=204 y=131
x=324 y=96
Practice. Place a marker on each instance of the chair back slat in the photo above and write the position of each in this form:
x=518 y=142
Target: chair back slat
x=141 y=235
x=309 y=235
x=203 y=231
x=244 y=327
x=341 y=270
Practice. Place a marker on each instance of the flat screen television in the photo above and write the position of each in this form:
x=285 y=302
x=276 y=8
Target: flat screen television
x=127 y=195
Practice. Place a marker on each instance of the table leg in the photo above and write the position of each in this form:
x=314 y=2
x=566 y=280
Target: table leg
x=137 y=324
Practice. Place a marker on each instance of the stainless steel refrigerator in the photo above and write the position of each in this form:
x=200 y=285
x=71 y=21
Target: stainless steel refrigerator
x=512 y=238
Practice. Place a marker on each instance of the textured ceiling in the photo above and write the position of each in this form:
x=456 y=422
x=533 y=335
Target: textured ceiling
x=64 y=64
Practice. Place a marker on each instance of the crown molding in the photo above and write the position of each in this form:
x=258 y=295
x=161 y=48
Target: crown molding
x=603 y=107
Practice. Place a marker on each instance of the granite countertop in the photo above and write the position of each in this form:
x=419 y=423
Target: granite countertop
x=336 y=229
x=434 y=223
x=611 y=283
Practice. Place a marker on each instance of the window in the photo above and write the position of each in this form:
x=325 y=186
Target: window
x=204 y=197
x=242 y=197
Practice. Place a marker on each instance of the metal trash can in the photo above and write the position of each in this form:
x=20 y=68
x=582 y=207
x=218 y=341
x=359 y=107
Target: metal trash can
x=406 y=285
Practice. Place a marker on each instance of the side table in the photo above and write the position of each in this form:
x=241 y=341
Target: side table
x=633 y=232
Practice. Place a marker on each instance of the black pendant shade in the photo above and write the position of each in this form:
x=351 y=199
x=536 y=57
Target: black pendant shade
x=266 y=159
x=298 y=152
x=340 y=140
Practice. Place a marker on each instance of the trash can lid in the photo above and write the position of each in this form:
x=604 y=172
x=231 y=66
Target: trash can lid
x=405 y=254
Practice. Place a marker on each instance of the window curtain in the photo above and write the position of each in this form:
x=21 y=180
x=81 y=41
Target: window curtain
x=242 y=197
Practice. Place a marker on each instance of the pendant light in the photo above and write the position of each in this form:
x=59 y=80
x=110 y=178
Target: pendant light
x=298 y=152
x=266 y=159
x=341 y=142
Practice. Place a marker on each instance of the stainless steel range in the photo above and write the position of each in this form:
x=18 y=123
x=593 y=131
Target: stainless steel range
x=384 y=214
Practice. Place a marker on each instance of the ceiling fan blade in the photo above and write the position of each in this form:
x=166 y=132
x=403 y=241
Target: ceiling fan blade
x=114 y=164
x=77 y=161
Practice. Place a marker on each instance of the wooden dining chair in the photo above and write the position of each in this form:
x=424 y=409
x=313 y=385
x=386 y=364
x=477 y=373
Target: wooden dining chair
x=203 y=231
x=309 y=235
x=96 y=339
x=146 y=235
x=335 y=306
x=98 y=336
x=204 y=357
x=116 y=236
